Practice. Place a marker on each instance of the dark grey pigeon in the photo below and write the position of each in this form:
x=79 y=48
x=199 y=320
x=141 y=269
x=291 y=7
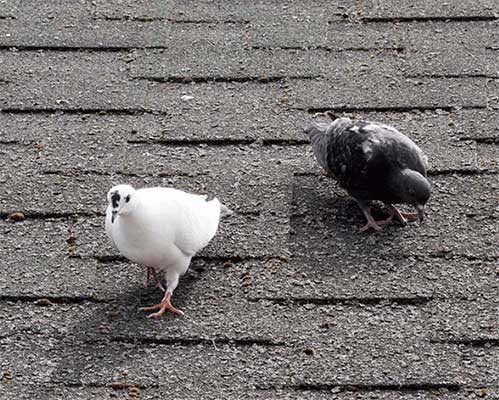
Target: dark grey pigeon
x=373 y=162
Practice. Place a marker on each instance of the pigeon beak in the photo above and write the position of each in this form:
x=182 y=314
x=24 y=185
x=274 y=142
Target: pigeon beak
x=113 y=215
x=420 y=208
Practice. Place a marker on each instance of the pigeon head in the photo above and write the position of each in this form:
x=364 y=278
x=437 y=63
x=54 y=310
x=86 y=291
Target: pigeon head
x=121 y=199
x=416 y=191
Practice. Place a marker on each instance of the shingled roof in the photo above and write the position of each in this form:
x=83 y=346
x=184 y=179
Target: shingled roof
x=289 y=300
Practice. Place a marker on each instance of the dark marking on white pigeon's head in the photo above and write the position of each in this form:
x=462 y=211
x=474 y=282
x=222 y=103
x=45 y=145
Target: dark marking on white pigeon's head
x=120 y=200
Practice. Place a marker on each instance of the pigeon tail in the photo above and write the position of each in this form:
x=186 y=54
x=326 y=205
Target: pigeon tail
x=318 y=139
x=222 y=210
x=225 y=211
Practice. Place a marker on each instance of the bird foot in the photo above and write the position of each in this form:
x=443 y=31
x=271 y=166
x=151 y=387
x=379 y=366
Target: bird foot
x=411 y=217
x=403 y=217
x=372 y=224
x=162 y=307
x=152 y=277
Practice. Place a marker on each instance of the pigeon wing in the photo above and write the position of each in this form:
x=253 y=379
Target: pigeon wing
x=192 y=219
x=394 y=149
x=347 y=159
x=367 y=155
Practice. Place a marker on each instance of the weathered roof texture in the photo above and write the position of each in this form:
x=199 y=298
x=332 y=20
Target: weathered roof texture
x=289 y=300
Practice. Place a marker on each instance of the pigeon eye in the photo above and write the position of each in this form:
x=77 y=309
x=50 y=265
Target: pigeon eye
x=127 y=198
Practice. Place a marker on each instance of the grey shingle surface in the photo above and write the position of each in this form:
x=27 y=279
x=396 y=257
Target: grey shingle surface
x=289 y=301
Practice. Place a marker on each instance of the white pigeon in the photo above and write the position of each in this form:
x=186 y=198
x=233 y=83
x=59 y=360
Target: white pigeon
x=162 y=228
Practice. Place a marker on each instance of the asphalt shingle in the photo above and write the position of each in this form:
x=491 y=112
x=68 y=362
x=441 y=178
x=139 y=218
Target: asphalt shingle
x=289 y=300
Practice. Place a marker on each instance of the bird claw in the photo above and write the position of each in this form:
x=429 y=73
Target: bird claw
x=371 y=224
x=162 y=307
x=411 y=217
x=403 y=217
x=162 y=310
x=389 y=220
